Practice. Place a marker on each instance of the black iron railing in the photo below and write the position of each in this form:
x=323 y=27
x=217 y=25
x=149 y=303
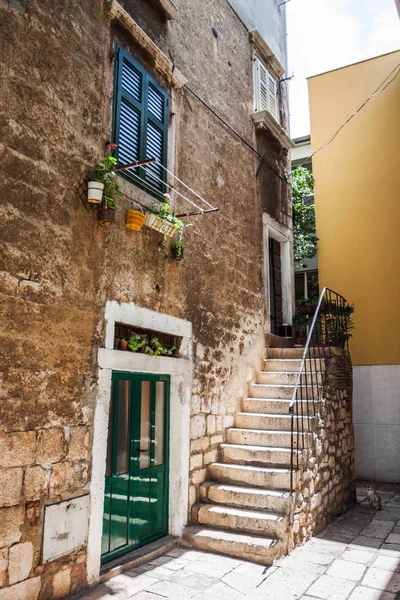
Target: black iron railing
x=330 y=328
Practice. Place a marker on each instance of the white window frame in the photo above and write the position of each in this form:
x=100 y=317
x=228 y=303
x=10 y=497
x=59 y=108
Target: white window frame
x=181 y=373
x=283 y=235
x=265 y=89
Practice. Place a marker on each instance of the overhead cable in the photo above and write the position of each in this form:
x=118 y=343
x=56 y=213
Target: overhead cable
x=236 y=133
x=375 y=93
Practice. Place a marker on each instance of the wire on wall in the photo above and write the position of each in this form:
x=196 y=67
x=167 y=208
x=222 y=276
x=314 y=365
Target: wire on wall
x=378 y=91
x=282 y=177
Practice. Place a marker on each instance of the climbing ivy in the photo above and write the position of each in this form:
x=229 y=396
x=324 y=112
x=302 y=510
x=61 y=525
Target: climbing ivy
x=304 y=233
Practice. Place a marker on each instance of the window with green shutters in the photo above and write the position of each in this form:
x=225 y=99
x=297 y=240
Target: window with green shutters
x=140 y=122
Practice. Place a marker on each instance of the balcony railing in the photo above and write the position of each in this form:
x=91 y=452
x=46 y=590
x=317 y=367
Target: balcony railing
x=330 y=328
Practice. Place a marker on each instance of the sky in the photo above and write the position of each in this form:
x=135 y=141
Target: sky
x=327 y=34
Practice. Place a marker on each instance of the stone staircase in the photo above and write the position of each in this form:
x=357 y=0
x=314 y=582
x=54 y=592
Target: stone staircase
x=245 y=504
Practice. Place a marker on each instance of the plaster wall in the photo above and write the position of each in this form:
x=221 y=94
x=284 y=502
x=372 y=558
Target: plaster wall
x=269 y=19
x=356 y=200
x=377 y=422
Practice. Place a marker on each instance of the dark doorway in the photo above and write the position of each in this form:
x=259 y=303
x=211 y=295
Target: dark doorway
x=275 y=285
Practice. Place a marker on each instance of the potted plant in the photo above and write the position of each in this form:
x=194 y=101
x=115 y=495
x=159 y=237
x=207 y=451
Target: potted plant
x=136 y=342
x=135 y=219
x=178 y=247
x=103 y=174
x=155 y=348
x=299 y=323
x=123 y=344
x=164 y=220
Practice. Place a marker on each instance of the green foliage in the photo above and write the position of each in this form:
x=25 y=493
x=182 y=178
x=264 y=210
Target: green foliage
x=304 y=232
x=103 y=172
x=155 y=348
x=299 y=319
x=136 y=342
x=178 y=246
x=166 y=213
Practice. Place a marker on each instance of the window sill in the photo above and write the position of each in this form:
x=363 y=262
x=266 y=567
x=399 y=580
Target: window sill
x=264 y=121
x=167 y=7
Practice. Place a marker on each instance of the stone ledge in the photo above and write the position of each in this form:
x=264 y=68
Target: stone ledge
x=161 y=62
x=263 y=120
x=265 y=51
x=167 y=7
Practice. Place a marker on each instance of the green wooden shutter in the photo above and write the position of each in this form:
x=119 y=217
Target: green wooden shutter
x=140 y=122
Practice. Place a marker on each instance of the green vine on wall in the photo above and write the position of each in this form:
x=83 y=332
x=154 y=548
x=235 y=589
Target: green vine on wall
x=304 y=232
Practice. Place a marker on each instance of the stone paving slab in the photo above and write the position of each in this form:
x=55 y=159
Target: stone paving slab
x=356 y=558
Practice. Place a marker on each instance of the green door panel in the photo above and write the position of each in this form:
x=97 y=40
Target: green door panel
x=136 y=484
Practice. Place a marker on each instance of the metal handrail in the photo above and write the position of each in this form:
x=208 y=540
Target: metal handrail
x=329 y=328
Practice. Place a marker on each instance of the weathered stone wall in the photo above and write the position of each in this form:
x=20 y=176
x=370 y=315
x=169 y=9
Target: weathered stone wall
x=326 y=487
x=58 y=268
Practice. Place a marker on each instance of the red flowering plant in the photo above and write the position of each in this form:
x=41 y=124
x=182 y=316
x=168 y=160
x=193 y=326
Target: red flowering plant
x=104 y=173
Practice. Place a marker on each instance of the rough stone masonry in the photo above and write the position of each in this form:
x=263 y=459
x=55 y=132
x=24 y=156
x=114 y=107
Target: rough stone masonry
x=58 y=268
x=327 y=487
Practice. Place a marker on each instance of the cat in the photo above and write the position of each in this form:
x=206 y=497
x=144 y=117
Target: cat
x=374 y=498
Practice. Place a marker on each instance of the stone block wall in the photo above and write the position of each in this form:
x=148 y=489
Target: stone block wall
x=38 y=467
x=326 y=487
x=58 y=268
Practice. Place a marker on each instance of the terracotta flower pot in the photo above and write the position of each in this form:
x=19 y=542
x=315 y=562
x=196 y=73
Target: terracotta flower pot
x=123 y=345
x=106 y=216
x=135 y=220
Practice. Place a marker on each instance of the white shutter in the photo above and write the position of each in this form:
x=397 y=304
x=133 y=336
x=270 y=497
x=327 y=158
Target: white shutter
x=272 y=99
x=265 y=90
x=262 y=86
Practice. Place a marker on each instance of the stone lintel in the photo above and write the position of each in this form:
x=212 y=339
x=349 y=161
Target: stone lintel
x=161 y=62
x=265 y=51
x=263 y=120
x=167 y=7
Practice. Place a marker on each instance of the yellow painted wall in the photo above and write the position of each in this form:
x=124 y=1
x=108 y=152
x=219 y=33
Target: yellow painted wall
x=357 y=198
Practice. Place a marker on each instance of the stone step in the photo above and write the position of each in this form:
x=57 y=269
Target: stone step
x=285 y=353
x=241 y=454
x=288 y=377
x=248 y=547
x=272 y=477
x=279 y=406
x=271 y=422
x=318 y=353
x=245 y=497
x=243 y=520
x=277 y=364
x=260 y=437
x=263 y=390
x=292 y=364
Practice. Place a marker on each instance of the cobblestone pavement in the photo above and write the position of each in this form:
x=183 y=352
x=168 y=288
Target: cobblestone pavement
x=357 y=558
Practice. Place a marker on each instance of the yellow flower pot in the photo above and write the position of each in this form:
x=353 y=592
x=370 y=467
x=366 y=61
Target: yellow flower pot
x=135 y=220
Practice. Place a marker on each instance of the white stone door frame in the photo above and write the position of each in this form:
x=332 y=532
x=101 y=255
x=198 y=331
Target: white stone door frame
x=283 y=235
x=181 y=373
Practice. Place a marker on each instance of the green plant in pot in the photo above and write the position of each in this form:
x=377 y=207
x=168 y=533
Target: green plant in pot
x=103 y=174
x=155 y=348
x=299 y=322
x=178 y=247
x=136 y=342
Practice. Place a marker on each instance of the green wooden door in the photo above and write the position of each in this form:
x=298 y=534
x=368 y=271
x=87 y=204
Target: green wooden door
x=136 y=485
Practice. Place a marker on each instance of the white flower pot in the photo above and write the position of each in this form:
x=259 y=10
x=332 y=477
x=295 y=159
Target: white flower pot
x=158 y=224
x=95 y=192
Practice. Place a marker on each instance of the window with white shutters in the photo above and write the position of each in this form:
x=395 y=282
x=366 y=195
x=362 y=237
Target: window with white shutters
x=266 y=91
x=140 y=122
